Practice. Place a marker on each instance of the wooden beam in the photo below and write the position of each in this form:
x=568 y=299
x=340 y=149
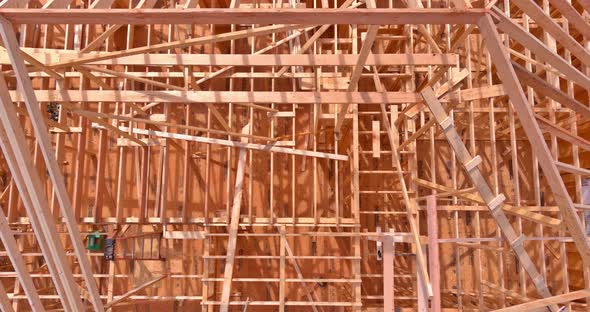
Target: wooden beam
x=178 y=126
x=244 y=16
x=233 y=226
x=252 y=146
x=52 y=58
x=388 y=274
x=433 y=251
x=541 y=303
x=541 y=87
x=282 y=268
x=237 y=97
x=563 y=134
x=137 y=289
x=11 y=44
x=525 y=114
x=572 y=169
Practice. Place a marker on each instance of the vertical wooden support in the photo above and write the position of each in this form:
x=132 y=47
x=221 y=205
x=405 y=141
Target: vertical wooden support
x=111 y=282
x=356 y=243
x=525 y=114
x=40 y=128
x=376 y=138
x=233 y=227
x=206 y=268
x=422 y=295
x=282 y=284
x=433 y=256
x=586 y=201
x=388 y=274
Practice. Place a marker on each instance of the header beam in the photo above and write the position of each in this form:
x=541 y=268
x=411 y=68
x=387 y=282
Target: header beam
x=244 y=16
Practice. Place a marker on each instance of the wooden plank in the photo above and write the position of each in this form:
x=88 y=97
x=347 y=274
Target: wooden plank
x=541 y=303
x=563 y=134
x=185 y=235
x=572 y=169
x=11 y=44
x=280 y=59
x=541 y=87
x=238 y=97
x=282 y=268
x=233 y=227
x=252 y=146
x=376 y=138
x=135 y=290
x=433 y=251
x=244 y=16
x=388 y=274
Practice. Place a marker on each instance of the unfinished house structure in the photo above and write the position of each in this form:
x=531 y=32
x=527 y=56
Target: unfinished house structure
x=289 y=155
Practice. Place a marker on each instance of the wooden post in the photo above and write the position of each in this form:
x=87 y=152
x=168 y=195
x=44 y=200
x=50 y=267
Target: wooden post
x=586 y=201
x=388 y=274
x=433 y=256
x=422 y=294
x=282 y=276
x=233 y=228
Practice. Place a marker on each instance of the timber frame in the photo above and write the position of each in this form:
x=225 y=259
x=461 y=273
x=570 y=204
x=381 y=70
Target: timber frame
x=345 y=155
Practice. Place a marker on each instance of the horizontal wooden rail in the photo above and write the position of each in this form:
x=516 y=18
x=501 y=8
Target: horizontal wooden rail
x=244 y=16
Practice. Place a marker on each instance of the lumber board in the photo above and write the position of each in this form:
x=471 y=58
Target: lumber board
x=244 y=16
x=204 y=97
